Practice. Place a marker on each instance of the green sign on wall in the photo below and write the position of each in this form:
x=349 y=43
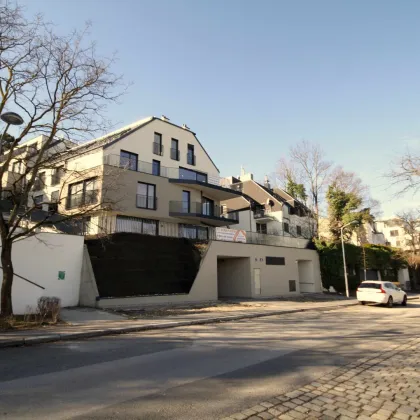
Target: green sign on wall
x=61 y=275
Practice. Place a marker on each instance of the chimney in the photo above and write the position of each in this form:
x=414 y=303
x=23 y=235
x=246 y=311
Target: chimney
x=185 y=127
x=164 y=118
x=267 y=183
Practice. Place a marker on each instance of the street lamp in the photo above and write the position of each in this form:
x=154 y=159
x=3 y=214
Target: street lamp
x=10 y=118
x=344 y=256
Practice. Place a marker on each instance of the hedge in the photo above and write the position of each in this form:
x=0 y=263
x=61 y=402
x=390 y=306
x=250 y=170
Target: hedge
x=386 y=259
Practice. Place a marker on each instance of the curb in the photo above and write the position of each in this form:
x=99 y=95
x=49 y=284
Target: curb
x=125 y=330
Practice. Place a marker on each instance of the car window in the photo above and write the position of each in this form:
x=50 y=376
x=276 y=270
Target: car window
x=370 y=286
x=389 y=286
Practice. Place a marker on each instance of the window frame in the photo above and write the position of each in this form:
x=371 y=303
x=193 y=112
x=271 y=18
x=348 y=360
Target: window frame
x=129 y=159
x=156 y=164
x=84 y=183
x=260 y=228
x=34 y=199
x=154 y=203
x=191 y=152
x=175 y=149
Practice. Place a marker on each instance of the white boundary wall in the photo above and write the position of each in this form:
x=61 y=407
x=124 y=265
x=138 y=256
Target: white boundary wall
x=40 y=258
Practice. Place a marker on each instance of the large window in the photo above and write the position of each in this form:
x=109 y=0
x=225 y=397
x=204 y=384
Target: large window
x=193 y=232
x=137 y=225
x=286 y=227
x=53 y=206
x=262 y=228
x=394 y=232
x=192 y=175
x=190 y=154
x=57 y=175
x=18 y=167
x=157 y=144
x=128 y=160
x=186 y=201
x=83 y=193
x=299 y=230
x=208 y=207
x=146 y=196
x=174 y=149
x=39 y=183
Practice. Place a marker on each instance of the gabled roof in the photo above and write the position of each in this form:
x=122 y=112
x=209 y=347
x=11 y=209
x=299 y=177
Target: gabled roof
x=115 y=136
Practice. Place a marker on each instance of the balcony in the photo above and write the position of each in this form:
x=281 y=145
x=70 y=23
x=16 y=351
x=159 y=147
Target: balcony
x=85 y=198
x=262 y=216
x=208 y=184
x=146 y=202
x=157 y=149
x=203 y=212
x=175 y=154
x=191 y=159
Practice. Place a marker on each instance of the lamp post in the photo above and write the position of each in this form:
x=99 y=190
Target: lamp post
x=344 y=256
x=10 y=118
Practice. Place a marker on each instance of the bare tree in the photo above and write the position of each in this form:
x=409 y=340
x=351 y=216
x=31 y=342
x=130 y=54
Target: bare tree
x=308 y=166
x=406 y=173
x=61 y=88
x=410 y=222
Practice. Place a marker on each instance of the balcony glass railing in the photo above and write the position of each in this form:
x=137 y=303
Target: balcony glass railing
x=202 y=209
x=157 y=149
x=166 y=172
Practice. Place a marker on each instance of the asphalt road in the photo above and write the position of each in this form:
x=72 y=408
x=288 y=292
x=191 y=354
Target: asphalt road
x=200 y=372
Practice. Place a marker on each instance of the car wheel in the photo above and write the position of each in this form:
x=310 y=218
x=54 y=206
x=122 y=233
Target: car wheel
x=390 y=302
x=404 y=302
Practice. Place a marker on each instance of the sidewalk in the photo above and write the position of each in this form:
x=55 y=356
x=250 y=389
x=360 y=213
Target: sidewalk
x=383 y=385
x=96 y=326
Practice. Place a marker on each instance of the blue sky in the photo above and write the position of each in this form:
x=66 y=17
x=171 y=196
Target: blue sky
x=252 y=78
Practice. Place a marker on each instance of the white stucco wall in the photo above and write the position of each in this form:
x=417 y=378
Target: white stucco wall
x=39 y=259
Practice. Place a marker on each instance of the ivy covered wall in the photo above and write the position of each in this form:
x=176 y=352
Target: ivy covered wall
x=378 y=257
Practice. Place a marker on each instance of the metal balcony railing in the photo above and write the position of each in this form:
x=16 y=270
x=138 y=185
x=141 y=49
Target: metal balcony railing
x=175 y=154
x=157 y=149
x=191 y=159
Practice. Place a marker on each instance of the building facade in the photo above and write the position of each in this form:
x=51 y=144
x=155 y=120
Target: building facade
x=267 y=210
x=152 y=177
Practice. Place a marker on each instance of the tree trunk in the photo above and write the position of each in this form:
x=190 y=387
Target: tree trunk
x=6 y=287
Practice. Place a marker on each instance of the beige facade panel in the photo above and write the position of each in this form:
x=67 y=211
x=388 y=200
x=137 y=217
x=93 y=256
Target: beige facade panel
x=141 y=143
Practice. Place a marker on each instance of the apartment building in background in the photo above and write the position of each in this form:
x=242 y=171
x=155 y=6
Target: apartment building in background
x=266 y=210
x=44 y=194
x=396 y=235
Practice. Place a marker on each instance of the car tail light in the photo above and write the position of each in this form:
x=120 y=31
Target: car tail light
x=382 y=290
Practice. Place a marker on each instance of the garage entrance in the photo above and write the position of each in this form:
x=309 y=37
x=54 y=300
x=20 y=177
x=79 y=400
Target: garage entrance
x=234 y=277
x=306 y=278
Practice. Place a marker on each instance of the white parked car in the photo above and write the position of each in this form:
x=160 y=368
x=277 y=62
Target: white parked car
x=373 y=291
